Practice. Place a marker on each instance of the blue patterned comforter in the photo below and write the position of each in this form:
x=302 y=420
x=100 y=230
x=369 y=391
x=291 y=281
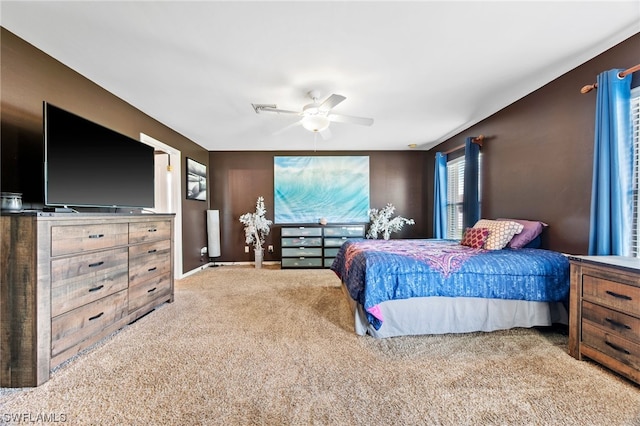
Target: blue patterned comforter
x=375 y=271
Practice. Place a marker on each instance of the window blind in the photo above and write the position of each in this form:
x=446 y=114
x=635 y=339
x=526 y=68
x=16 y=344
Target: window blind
x=635 y=121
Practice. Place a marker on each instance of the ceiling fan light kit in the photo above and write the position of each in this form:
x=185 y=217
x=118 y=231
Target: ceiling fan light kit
x=316 y=117
x=315 y=123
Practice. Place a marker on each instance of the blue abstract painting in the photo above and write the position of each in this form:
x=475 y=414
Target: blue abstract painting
x=307 y=189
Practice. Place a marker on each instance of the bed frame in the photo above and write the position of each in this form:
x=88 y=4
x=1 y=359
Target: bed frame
x=441 y=315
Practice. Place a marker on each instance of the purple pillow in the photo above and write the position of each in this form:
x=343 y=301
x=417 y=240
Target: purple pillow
x=532 y=228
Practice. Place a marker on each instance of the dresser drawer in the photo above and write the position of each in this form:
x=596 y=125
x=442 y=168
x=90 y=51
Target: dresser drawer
x=301 y=231
x=140 y=232
x=612 y=321
x=302 y=241
x=302 y=262
x=621 y=349
x=622 y=297
x=344 y=231
x=335 y=242
x=149 y=249
x=82 y=279
x=331 y=252
x=144 y=268
x=71 y=328
x=301 y=251
x=70 y=239
x=144 y=293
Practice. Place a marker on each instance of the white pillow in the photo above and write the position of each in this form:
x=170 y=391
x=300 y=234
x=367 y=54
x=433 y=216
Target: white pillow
x=500 y=232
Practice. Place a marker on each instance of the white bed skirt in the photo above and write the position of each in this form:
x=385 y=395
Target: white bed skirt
x=440 y=315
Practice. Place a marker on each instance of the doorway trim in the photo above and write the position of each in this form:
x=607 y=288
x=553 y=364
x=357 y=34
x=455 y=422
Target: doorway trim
x=175 y=159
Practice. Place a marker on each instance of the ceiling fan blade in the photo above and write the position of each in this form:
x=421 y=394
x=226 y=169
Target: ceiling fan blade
x=279 y=111
x=290 y=126
x=331 y=102
x=339 y=118
x=326 y=134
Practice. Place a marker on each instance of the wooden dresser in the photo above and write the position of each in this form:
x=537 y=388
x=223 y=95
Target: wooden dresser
x=604 y=313
x=69 y=280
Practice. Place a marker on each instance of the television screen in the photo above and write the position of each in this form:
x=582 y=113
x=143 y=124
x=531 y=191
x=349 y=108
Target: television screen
x=89 y=165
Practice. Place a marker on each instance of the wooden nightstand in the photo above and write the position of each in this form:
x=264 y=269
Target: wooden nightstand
x=604 y=312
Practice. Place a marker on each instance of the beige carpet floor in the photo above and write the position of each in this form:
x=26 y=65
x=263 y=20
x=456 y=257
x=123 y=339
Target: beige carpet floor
x=241 y=346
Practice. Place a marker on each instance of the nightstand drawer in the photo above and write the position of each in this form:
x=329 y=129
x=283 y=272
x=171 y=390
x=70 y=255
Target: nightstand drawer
x=623 y=350
x=622 y=297
x=613 y=321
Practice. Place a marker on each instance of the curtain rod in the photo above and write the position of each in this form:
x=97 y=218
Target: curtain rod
x=477 y=140
x=623 y=74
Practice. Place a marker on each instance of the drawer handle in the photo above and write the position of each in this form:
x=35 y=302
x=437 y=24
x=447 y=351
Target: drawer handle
x=618 y=348
x=96 y=236
x=152 y=251
x=153 y=230
x=617 y=323
x=93 y=265
x=619 y=296
x=96 y=288
x=96 y=316
x=153 y=289
x=302 y=238
x=152 y=269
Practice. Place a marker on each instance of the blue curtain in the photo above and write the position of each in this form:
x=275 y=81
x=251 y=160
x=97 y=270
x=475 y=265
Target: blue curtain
x=440 y=197
x=612 y=188
x=470 y=200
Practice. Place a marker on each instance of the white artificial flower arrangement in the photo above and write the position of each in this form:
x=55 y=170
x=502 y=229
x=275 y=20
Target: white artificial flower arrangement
x=256 y=226
x=381 y=222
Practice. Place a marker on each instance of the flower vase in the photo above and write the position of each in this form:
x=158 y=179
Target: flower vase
x=258 y=257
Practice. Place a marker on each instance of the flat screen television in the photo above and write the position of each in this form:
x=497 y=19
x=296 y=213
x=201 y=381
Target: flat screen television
x=88 y=165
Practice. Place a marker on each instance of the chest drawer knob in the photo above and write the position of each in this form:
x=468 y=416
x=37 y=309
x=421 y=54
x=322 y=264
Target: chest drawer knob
x=100 y=287
x=617 y=323
x=619 y=296
x=152 y=290
x=152 y=251
x=618 y=348
x=153 y=230
x=96 y=316
x=93 y=265
x=96 y=236
x=152 y=269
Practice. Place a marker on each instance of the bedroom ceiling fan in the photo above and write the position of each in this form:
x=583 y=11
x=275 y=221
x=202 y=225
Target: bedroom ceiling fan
x=316 y=116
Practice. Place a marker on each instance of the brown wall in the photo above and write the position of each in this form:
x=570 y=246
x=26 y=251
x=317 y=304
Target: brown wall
x=30 y=77
x=538 y=155
x=238 y=178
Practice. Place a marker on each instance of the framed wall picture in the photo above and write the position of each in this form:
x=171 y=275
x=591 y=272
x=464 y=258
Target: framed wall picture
x=196 y=180
x=310 y=188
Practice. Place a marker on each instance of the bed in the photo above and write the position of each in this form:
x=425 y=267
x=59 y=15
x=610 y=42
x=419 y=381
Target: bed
x=429 y=286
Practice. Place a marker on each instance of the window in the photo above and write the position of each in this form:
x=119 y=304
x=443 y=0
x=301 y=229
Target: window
x=635 y=123
x=455 y=192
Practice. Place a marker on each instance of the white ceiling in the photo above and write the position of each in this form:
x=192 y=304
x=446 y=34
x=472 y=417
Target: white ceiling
x=424 y=70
